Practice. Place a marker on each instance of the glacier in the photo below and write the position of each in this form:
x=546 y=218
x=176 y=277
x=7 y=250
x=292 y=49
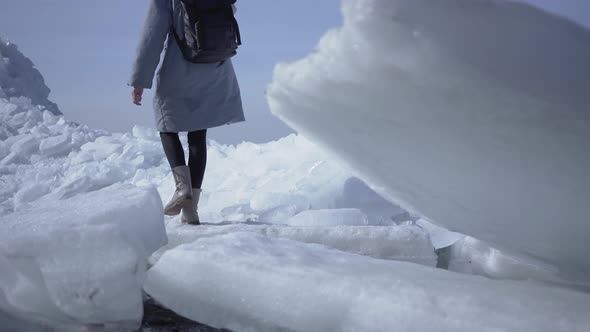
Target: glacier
x=472 y=114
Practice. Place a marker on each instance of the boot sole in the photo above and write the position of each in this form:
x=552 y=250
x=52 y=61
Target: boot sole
x=185 y=221
x=176 y=208
x=194 y=223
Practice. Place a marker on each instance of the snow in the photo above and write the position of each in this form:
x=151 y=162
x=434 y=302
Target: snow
x=56 y=146
x=471 y=114
x=80 y=261
x=20 y=78
x=249 y=282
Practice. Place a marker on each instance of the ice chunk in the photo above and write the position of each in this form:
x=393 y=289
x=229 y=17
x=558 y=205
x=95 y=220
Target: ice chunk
x=266 y=200
x=6 y=131
x=276 y=179
x=4 y=150
x=102 y=148
x=439 y=106
x=25 y=145
x=82 y=260
x=13 y=158
x=247 y=281
x=56 y=146
x=40 y=131
x=280 y=213
x=145 y=133
x=440 y=237
x=331 y=217
x=406 y=242
x=49 y=118
x=30 y=192
x=470 y=255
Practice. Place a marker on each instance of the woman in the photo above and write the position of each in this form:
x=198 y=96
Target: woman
x=190 y=97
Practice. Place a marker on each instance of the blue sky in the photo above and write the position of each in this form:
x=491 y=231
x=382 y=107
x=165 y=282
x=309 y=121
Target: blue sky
x=85 y=49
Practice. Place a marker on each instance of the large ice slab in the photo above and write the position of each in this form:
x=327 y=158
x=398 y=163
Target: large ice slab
x=82 y=260
x=247 y=282
x=405 y=242
x=474 y=114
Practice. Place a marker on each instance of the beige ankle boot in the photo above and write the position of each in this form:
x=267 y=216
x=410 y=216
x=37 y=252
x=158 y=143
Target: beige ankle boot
x=183 y=195
x=190 y=214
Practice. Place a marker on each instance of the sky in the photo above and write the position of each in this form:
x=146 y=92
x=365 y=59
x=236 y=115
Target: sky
x=85 y=50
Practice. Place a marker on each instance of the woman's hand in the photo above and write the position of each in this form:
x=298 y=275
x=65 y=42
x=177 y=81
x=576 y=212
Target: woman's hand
x=137 y=94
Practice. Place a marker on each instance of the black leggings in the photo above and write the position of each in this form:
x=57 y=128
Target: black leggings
x=197 y=146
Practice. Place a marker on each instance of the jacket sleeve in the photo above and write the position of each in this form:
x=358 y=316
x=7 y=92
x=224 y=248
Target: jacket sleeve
x=156 y=27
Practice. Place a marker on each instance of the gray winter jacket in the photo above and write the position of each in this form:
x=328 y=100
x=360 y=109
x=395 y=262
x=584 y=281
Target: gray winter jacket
x=188 y=96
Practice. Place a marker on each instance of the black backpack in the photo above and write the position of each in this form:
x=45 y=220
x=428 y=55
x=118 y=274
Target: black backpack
x=206 y=30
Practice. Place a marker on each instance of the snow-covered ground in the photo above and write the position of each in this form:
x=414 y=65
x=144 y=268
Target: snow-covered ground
x=293 y=239
x=473 y=114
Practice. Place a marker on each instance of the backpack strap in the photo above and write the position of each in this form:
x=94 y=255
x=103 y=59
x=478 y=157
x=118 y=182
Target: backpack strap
x=237 y=27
